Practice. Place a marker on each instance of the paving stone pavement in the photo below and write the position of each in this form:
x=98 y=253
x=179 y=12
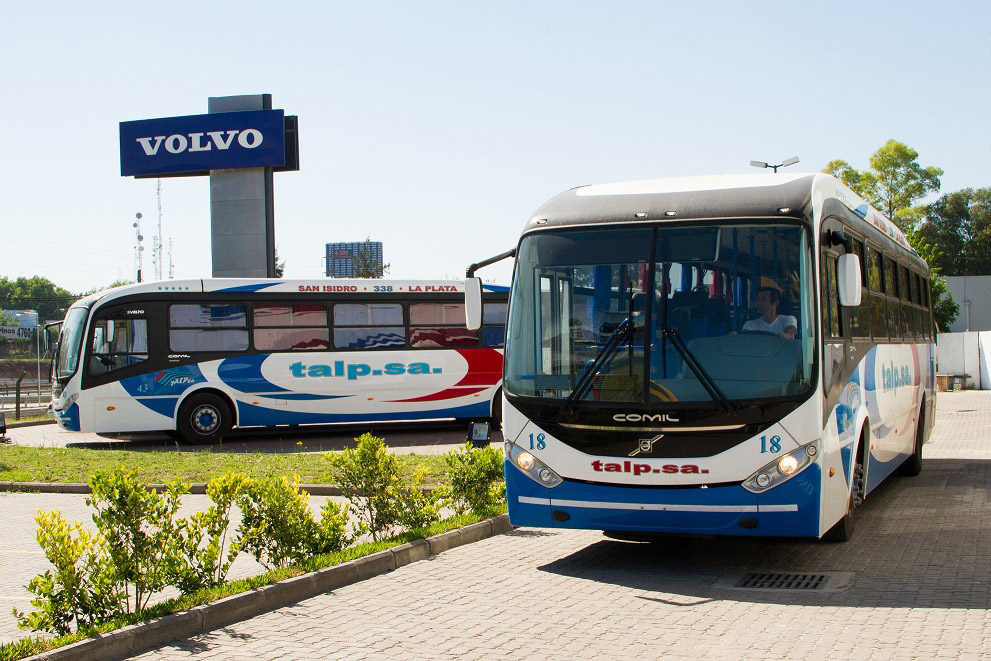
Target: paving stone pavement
x=919 y=568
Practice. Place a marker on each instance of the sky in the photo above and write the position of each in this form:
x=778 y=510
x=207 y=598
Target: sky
x=438 y=128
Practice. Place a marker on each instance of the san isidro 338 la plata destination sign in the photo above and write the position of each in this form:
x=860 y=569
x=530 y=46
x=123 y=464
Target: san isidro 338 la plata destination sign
x=239 y=143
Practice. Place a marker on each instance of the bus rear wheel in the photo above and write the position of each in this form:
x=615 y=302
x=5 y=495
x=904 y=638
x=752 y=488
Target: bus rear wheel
x=204 y=418
x=913 y=465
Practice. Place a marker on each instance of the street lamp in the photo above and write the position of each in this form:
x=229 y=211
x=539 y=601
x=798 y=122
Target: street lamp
x=783 y=164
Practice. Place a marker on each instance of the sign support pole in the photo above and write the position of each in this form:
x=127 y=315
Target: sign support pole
x=242 y=208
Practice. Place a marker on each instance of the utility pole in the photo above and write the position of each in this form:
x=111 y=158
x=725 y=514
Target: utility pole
x=138 y=248
x=171 y=269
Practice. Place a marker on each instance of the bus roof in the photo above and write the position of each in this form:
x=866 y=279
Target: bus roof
x=763 y=195
x=270 y=286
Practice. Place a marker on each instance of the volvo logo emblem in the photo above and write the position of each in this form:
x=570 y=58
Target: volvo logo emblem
x=646 y=445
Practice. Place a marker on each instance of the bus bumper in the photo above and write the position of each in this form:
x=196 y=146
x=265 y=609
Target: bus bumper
x=68 y=419
x=789 y=510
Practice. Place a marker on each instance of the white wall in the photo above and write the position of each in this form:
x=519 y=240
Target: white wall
x=965 y=353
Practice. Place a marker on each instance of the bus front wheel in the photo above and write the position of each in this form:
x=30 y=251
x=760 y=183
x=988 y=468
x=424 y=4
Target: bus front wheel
x=843 y=530
x=204 y=418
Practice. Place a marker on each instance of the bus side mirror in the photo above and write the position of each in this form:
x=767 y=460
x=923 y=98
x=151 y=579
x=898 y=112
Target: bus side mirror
x=473 y=303
x=848 y=280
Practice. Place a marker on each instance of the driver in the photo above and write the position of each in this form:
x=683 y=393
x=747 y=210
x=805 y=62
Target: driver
x=769 y=321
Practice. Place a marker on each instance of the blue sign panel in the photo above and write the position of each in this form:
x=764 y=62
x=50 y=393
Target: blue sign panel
x=196 y=143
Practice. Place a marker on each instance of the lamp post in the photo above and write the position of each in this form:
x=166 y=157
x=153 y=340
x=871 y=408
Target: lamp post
x=783 y=164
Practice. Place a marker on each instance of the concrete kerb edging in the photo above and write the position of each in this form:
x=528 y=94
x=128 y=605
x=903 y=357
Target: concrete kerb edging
x=195 y=489
x=138 y=638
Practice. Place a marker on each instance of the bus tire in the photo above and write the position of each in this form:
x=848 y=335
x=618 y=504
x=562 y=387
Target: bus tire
x=843 y=530
x=913 y=465
x=496 y=418
x=204 y=418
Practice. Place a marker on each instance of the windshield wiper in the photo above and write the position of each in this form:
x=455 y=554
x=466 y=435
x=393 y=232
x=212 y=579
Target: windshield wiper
x=613 y=342
x=696 y=367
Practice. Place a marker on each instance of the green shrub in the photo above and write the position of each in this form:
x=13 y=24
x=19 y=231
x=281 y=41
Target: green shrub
x=370 y=477
x=139 y=526
x=278 y=528
x=202 y=552
x=81 y=590
x=418 y=507
x=477 y=482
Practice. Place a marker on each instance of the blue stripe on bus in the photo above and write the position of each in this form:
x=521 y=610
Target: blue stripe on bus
x=69 y=418
x=248 y=288
x=250 y=415
x=244 y=373
x=162 y=405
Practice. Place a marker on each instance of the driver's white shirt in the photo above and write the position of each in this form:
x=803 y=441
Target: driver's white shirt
x=776 y=327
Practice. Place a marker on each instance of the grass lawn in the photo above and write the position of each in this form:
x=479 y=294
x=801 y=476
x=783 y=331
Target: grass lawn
x=25 y=464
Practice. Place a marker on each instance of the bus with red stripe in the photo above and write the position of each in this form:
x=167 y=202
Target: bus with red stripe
x=200 y=357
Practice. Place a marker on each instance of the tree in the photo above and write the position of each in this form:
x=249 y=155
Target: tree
x=119 y=282
x=280 y=267
x=959 y=225
x=893 y=185
x=945 y=309
x=365 y=264
x=35 y=293
x=894 y=182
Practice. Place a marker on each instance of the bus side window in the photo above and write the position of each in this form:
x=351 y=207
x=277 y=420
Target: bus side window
x=369 y=326
x=879 y=327
x=831 y=304
x=117 y=342
x=290 y=327
x=893 y=306
x=494 y=324
x=209 y=327
x=860 y=318
x=438 y=325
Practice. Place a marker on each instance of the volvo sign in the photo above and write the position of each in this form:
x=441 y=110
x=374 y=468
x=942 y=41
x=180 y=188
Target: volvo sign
x=195 y=144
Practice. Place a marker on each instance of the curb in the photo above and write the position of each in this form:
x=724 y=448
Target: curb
x=195 y=489
x=33 y=423
x=137 y=638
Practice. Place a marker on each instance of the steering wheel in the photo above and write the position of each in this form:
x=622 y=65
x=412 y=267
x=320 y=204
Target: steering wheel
x=758 y=332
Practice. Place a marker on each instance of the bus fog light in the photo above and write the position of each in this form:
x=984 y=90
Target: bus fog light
x=811 y=450
x=763 y=480
x=546 y=475
x=524 y=460
x=787 y=465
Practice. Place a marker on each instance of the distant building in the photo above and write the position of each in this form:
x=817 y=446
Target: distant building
x=341 y=257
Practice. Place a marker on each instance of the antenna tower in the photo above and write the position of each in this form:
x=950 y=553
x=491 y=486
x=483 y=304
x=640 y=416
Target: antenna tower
x=171 y=270
x=156 y=250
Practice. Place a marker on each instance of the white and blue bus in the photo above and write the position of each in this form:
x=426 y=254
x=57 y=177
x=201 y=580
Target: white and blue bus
x=736 y=355
x=199 y=357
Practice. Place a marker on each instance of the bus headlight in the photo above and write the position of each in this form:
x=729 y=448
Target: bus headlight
x=532 y=467
x=782 y=469
x=787 y=465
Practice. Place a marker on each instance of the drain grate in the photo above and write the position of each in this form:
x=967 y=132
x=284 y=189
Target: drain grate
x=769 y=581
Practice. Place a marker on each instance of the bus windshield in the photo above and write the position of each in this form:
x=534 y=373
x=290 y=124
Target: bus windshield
x=712 y=313
x=70 y=343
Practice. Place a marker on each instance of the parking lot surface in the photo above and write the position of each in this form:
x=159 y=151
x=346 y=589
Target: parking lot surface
x=915 y=582
x=427 y=437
